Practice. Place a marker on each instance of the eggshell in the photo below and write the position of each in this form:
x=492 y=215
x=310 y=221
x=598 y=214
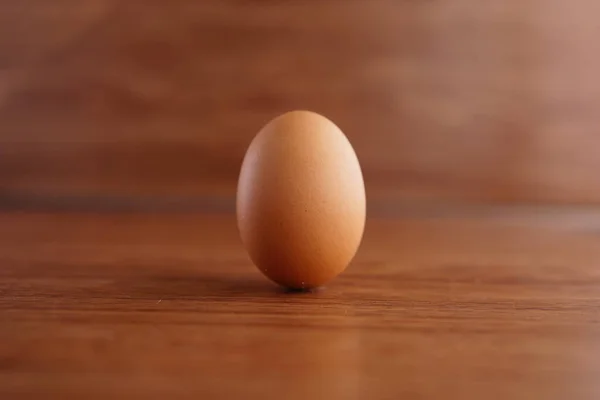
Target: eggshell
x=301 y=202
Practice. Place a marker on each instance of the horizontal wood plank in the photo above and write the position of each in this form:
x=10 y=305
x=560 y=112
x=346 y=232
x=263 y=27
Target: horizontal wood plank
x=460 y=99
x=495 y=306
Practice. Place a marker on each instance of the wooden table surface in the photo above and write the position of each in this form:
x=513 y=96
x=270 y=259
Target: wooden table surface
x=439 y=304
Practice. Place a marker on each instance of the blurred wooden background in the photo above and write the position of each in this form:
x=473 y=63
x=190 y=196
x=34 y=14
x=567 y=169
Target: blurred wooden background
x=458 y=100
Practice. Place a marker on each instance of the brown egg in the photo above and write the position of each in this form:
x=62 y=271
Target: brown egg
x=301 y=200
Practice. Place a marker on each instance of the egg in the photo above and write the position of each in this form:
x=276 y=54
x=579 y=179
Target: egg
x=301 y=202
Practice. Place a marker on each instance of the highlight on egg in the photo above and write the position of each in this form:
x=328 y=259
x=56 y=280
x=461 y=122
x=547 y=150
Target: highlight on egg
x=301 y=203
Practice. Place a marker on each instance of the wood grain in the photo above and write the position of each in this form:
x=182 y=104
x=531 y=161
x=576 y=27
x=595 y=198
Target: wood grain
x=457 y=99
x=453 y=305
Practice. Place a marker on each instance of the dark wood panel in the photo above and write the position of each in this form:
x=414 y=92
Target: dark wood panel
x=496 y=306
x=456 y=99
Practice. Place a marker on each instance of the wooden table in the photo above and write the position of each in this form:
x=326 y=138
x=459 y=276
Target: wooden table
x=486 y=303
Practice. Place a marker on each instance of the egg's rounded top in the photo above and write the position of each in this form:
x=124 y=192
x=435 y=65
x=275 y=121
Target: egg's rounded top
x=301 y=202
